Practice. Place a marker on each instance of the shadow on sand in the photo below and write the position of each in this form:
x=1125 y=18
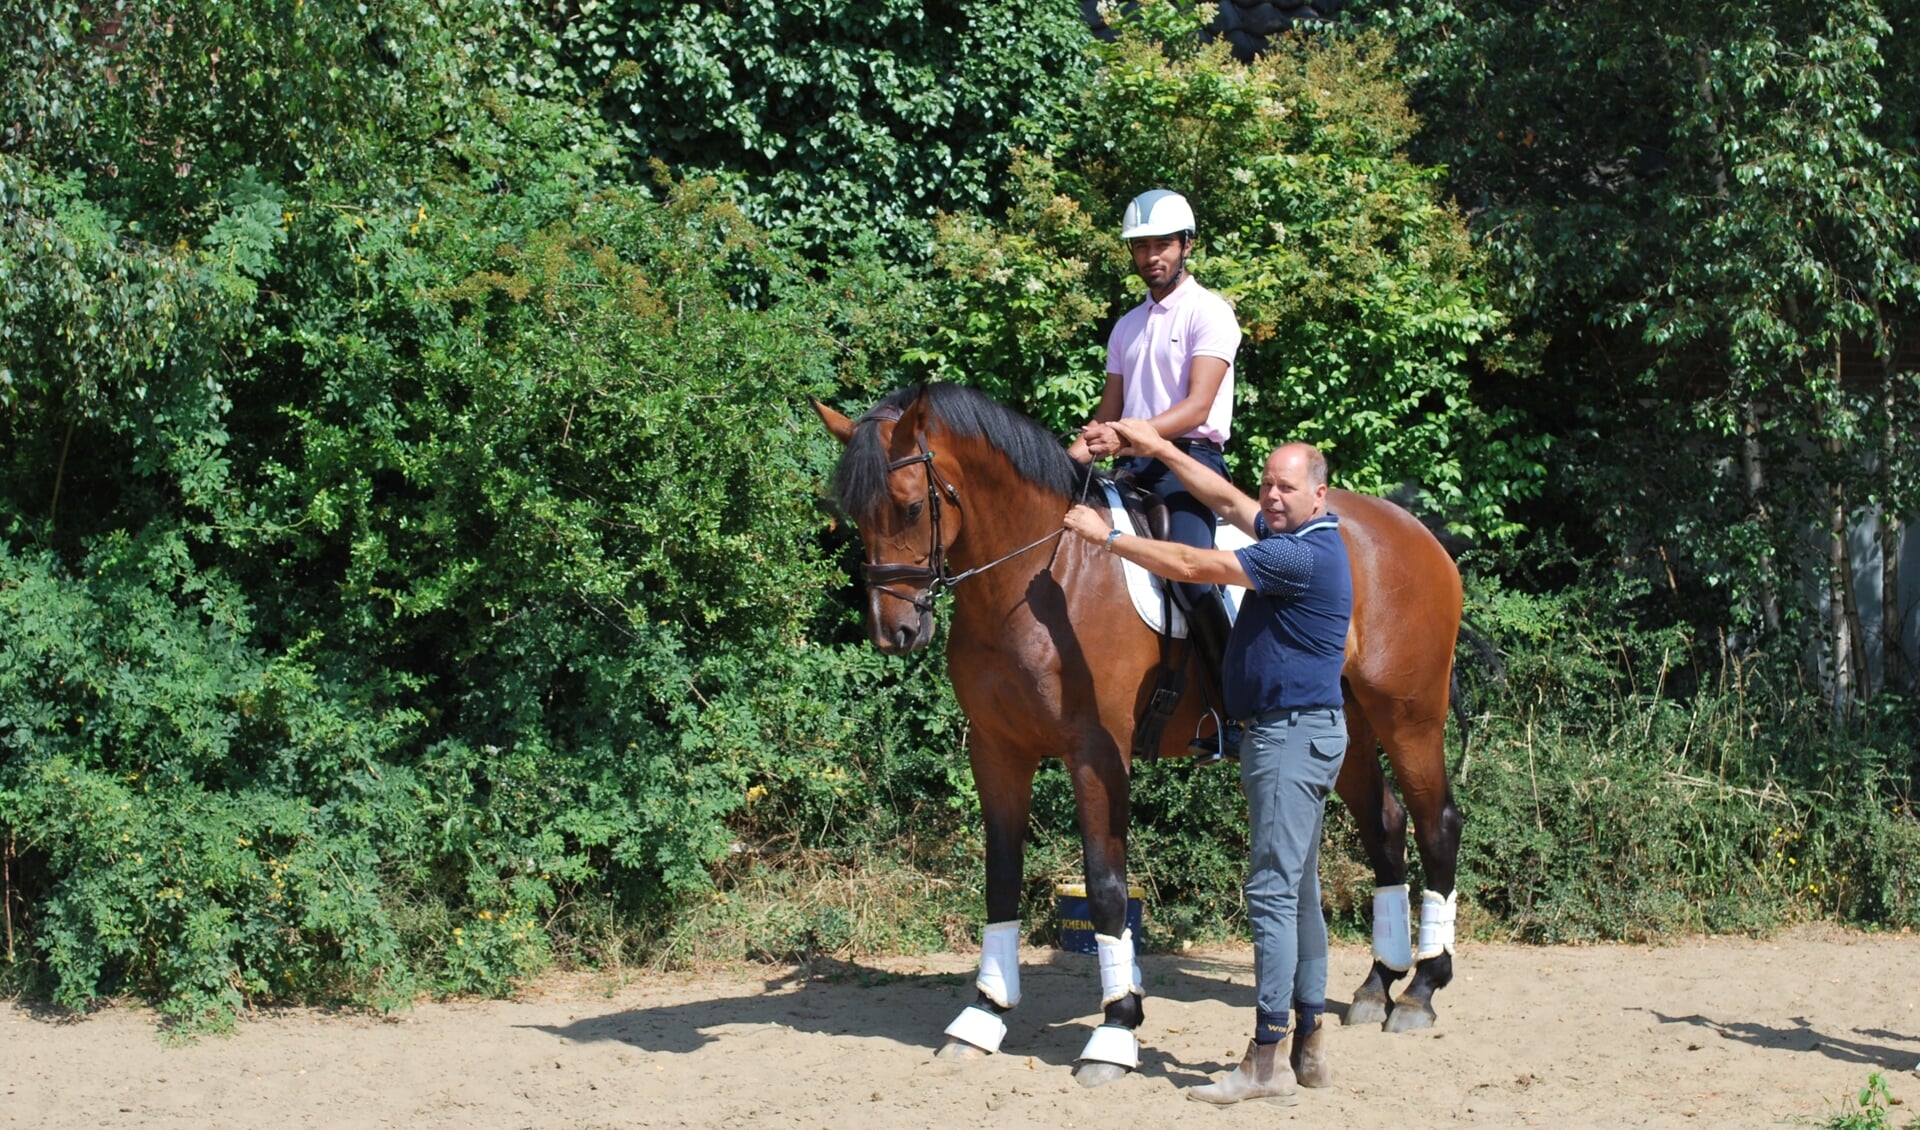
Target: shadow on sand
x=1799 y=1035
x=1058 y=1008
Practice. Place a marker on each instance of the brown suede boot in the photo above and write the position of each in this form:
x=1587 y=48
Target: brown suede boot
x=1263 y=1074
x=1310 y=1058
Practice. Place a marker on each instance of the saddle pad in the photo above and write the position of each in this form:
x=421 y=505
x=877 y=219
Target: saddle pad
x=1144 y=587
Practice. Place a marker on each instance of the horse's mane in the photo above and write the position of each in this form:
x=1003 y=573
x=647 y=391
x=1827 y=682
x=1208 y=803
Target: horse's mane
x=860 y=482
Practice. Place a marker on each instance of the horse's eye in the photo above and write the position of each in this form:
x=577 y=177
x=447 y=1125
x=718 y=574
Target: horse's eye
x=913 y=511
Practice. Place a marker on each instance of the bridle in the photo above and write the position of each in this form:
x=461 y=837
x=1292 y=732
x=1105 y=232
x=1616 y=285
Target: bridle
x=934 y=575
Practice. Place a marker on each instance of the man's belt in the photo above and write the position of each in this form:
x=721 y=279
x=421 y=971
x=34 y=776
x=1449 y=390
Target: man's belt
x=1291 y=716
x=1188 y=443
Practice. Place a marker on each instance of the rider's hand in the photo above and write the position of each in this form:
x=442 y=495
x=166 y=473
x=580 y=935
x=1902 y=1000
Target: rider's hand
x=1100 y=440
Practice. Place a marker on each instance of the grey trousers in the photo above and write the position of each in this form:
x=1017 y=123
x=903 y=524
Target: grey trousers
x=1288 y=764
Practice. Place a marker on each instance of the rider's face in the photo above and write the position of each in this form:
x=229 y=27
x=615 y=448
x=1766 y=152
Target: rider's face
x=1157 y=259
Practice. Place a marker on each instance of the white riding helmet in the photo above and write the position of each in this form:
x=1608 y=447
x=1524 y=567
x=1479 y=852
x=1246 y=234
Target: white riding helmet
x=1157 y=212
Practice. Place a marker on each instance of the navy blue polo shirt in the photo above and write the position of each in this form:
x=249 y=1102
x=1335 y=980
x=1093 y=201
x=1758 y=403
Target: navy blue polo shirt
x=1289 y=642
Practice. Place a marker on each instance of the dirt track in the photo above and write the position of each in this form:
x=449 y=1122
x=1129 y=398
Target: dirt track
x=1702 y=1032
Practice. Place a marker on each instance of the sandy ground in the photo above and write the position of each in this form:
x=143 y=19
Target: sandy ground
x=1697 y=1033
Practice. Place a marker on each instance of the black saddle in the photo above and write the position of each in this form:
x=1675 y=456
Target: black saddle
x=1148 y=511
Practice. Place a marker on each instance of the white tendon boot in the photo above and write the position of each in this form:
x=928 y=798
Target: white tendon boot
x=1111 y=1043
x=999 y=982
x=1436 y=923
x=1393 y=927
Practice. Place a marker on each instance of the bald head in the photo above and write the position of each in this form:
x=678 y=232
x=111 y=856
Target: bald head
x=1293 y=491
x=1313 y=464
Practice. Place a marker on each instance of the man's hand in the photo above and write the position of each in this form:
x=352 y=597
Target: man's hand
x=1087 y=522
x=1140 y=437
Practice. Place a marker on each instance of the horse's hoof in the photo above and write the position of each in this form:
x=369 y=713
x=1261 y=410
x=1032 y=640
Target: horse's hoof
x=1410 y=1016
x=1093 y=1074
x=1366 y=1010
x=959 y=1051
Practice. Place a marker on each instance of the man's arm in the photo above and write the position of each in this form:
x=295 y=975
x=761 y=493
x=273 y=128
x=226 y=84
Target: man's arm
x=1162 y=558
x=1203 y=482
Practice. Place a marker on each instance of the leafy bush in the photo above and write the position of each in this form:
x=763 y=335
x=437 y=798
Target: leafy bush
x=831 y=118
x=199 y=821
x=1353 y=281
x=1614 y=790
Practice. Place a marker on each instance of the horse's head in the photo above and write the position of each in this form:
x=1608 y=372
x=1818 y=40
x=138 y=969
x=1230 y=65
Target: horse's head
x=900 y=494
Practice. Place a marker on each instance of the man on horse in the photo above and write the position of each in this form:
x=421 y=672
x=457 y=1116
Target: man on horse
x=1281 y=678
x=1170 y=363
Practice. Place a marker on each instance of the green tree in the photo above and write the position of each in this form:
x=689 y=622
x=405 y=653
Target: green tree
x=831 y=118
x=1353 y=280
x=1702 y=216
x=399 y=546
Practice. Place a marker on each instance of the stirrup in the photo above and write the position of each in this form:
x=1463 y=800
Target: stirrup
x=1224 y=745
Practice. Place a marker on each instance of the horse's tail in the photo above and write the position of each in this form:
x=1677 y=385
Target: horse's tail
x=1482 y=647
x=1456 y=699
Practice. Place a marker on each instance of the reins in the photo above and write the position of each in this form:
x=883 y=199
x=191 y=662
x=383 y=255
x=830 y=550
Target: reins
x=882 y=577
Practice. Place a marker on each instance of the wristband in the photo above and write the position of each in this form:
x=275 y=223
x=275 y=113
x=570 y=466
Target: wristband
x=1112 y=536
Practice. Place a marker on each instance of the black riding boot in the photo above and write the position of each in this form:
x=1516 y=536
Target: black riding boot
x=1207 y=629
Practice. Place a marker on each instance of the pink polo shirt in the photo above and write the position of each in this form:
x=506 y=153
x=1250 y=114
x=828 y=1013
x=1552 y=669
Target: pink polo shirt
x=1153 y=345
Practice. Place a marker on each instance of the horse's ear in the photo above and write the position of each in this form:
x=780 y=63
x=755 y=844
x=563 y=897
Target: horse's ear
x=840 y=426
x=914 y=418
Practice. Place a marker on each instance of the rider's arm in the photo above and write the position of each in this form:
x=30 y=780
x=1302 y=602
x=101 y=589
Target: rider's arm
x=1112 y=401
x=1204 y=375
x=1167 y=559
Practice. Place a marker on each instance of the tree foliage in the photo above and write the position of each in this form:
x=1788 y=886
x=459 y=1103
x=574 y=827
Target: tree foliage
x=1702 y=217
x=831 y=117
x=410 y=567
x=1352 y=279
x=399 y=551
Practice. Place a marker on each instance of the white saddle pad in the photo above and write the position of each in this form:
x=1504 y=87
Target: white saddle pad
x=1144 y=587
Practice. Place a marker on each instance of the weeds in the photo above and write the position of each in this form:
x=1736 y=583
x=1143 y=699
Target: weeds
x=1871 y=1110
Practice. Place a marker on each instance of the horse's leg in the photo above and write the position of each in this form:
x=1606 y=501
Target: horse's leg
x=1005 y=784
x=1100 y=795
x=1419 y=766
x=1383 y=834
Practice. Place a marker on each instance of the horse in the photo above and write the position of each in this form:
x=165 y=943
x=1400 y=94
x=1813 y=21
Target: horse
x=1047 y=660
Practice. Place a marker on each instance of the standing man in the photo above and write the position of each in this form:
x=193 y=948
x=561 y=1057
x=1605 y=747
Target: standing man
x=1170 y=363
x=1282 y=679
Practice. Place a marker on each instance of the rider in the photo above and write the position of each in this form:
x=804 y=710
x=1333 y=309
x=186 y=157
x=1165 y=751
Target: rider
x=1170 y=362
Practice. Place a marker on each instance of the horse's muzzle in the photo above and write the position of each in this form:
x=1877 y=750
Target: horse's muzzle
x=904 y=635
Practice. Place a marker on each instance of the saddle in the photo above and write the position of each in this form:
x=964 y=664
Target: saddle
x=1137 y=512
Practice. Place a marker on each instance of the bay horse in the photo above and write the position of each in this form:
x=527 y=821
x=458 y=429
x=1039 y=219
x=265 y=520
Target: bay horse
x=1048 y=659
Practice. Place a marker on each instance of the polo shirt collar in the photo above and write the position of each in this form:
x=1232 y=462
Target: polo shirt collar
x=1176 y=295
x=1323 y=521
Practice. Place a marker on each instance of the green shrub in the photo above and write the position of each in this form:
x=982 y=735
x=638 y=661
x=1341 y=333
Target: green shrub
x=1352 y=278
x=1613 y=789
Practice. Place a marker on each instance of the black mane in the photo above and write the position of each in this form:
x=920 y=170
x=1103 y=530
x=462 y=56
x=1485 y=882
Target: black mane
x=860 y=482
